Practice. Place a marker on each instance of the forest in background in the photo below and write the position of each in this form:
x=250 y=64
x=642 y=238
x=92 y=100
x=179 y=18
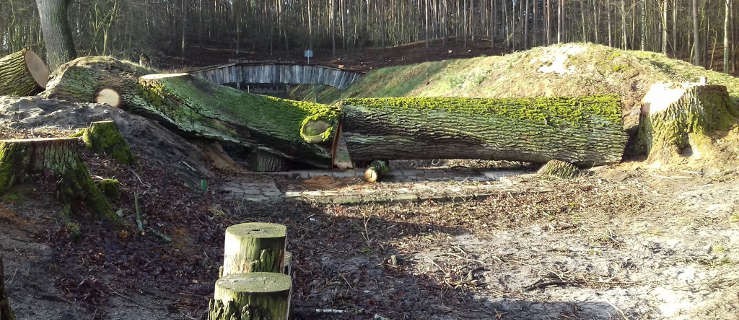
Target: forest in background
x=701 y=31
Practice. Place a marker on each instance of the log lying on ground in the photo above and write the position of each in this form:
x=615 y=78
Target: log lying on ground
x=293 y=130
x=585 y=131
x=21 y=158
x=6 y=313
x=97 y=79
x=22 y=73
x=254 y=247
x=681 y=121
x=256 y=295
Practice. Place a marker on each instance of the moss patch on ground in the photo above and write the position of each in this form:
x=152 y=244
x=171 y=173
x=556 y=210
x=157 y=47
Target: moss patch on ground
x=104 y=137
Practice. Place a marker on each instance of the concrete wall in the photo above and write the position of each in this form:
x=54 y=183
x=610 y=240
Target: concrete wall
x=279 y=73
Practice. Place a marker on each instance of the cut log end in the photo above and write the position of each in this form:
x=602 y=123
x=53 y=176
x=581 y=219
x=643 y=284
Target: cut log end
x=315 y=131
x=108 y=96
x=257 y=230
x=376 y=170
x=37 y=68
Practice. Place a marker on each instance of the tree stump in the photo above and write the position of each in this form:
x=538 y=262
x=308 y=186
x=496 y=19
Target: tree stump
x=254 y=247
x=22 y=73
x=376 y=170
x=104 y=137
x=251 y=296
x=679 y=121
x=559 y=169
x=6 y=313
x=58 y=156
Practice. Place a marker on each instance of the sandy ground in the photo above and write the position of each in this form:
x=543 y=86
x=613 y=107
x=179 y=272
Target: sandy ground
x=621 y=243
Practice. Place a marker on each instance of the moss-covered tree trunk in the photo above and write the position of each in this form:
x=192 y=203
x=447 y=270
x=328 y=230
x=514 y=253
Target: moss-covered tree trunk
x=254 y=247
x=6 y=313
x=584 y=131
x=19 y=159
x=294 y=130
x=251 y=296
x=678 y=122
x=22 y=73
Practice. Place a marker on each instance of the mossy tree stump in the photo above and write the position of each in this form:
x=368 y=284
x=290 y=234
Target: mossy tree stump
x=251 y=296
x=254 y=247
x=22 y=73
x=104 y=137
x=585 y=131
x=6 y=313
x=559 y=169
x=58 y=156
x=679 y=121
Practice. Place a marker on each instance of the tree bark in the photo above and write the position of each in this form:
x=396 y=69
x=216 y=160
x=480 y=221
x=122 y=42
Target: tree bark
x=696 y=35
x=282 y=127
x=584 y=131
x=19 y=159
x=6 y=313
x=56 y=31
x=727 y=51
x=22 y=73
x=251 y=296
x=559 y=169
x=254 y=247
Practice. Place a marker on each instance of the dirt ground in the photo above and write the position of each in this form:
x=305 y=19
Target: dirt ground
x=624 y=242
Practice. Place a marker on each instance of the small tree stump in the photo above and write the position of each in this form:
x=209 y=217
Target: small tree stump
x=22 y=73
x=559 y=169
x=376 y=170
x=254 y=247
x=251 y=296
x=5 y=312
x=104 y=137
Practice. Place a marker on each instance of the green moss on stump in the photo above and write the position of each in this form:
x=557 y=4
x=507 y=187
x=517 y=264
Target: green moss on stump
x=111 y=188
x=104 y=137
x=19 y=159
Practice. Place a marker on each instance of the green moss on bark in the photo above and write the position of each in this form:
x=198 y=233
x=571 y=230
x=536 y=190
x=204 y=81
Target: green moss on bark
x=104 y=137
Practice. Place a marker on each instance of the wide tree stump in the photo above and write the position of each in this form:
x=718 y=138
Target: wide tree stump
x=251 y=296
x=19 y=159
x=104 y=137
x=294 y=130
x=254 y=247
x=22 y=73
x=680 y=121
x=6 y=313
x=585 y=131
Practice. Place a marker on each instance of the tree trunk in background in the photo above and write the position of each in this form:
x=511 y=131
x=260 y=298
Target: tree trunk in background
x=624 y=43
x=5 y=312
x=664 y=26
x=727 y=51
x=560 y=19
x=56 y=31
x=643 y=29
x=696 y=34
x=674 y=28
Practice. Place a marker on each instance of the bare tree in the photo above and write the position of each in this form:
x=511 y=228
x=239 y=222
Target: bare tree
x=56 y=31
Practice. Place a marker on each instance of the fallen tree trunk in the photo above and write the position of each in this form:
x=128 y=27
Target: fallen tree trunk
x=679 y=122
x=22 y=73
x=5 y=312
x=585 y=131
x=293 y=130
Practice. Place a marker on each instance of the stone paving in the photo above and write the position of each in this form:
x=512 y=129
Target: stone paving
x=399 y=185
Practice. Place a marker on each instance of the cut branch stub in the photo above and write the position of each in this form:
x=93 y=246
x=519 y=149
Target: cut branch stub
x=376 y=170
x=22 y=73
x=251 y=296
x=254 y=247
x=559 y=169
